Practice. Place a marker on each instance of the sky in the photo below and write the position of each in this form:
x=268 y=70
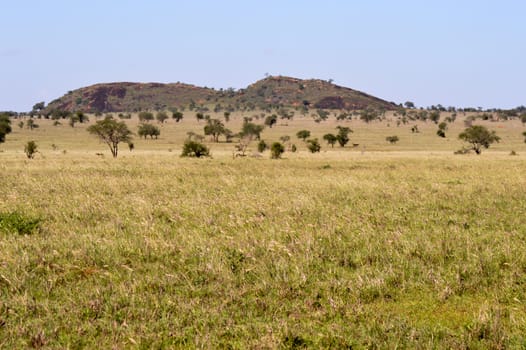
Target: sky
x=455 y=53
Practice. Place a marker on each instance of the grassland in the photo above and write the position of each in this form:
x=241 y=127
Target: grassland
x=378 y=246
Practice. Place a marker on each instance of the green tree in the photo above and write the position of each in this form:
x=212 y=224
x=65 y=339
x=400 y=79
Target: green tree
x=251 y=130
x=145 y=117
x=331 y=139
x=368 y=115
x=194 y=149
x=313 y=145
x=392 y=139
x=303 y=135
x=271 y=120
x=227 y=116
x=30 y=149
x=30 y=124
x=178 y=116
x=262 y=146
x=161 y=117
x=434 y=116
x=343 y=135
x=5 y=126
x=215 y=128
x=148 y=130
x=111 y=132
x=276 y=150
x=442 y=127
x=478 y=136
x=199 y=116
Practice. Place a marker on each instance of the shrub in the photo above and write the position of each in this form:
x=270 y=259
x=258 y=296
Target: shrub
x=303 y=134
x=276 y=150
x=15 y=222
x=313 y=145
x=148 y=130
x=392 y=139
x=262 y=146
x=194 y=149
x=30 y=149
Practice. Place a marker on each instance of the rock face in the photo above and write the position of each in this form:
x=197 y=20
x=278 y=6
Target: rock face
x=269 y=92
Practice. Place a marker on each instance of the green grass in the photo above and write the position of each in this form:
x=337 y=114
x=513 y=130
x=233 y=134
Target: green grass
x=410 y=248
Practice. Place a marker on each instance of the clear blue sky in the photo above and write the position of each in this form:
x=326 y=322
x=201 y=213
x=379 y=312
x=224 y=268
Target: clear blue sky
x=460 y=53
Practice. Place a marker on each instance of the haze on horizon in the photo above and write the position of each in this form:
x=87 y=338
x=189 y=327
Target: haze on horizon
x=464 y=54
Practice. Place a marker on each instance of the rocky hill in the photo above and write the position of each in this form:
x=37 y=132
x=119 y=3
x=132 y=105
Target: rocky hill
x=269 y=92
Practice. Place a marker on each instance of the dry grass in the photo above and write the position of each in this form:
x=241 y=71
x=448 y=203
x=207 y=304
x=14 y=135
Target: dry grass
x=407 y=248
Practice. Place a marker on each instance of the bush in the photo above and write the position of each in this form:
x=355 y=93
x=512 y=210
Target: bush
x=194 y=149
x=276 y=150
x=30 y=149
x=313 y=145
x=148 y=130
x=15 y=222
x=392 y=139
x=262 y=146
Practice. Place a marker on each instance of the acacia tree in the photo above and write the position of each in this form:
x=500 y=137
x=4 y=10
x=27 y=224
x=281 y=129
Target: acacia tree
x=343 y=135
x=478 y=136
x=215 y=128
x=111 y=132
x=331 y=139
x=303 y=134
x=5 y=126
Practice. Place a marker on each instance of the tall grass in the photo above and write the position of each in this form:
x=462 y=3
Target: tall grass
x=155 y=251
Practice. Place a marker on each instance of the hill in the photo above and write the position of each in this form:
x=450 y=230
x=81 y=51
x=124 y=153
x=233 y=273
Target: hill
x=269 y=92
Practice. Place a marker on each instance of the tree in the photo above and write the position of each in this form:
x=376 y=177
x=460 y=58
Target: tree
x=148 y=130
x=276 y=150
x=331 y=139
x=392 y=139
x=199 y=116
x=251 y=130
x=161 y=117
x=442 y=127
x=31 y=124
x=271 y=120
x=343 y=135
x=194 y=149
x=262 y=146
x=303 y=134
x=478 y=136
x=178 y=116
x=111 y=132
x=313 y=145
x=145 y=117
x=524 y=134
x=30 y=149
x=215 y=128
x=227 y=116
x=368 y=115
x=5 y=126
x=409 y=104
x=434 y=116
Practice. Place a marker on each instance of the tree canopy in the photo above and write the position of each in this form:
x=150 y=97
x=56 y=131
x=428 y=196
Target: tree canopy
x=111 y=132
x=478 y=136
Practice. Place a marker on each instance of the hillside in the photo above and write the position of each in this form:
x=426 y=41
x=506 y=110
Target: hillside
x=271 y=91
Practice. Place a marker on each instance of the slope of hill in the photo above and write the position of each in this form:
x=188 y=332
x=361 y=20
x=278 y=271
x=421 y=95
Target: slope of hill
x=271 y=91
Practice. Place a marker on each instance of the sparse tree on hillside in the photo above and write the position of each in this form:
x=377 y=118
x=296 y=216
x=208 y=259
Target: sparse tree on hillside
x=479 y=136
x=5 y=126
x=177 y=116
x=227 y=116
x=146 y=129
x=313 y=145
x=271 y=120
x=111 y=132
x=252 y=130
x=392 y=139
x=145 y=117
x=343 y=135
x=30 y=149
x=303 y=135
x=215 y=128
x=276 y=150
x=161 y=117
x=331 y=139
x=368 y=115
x=194 y=149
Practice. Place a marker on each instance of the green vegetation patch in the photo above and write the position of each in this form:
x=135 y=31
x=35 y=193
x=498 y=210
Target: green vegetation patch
x=15 y=222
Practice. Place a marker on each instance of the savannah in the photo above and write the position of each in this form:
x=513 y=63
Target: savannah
x=376 y=244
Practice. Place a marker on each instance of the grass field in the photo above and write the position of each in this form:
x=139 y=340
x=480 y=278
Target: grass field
x=378 y=246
